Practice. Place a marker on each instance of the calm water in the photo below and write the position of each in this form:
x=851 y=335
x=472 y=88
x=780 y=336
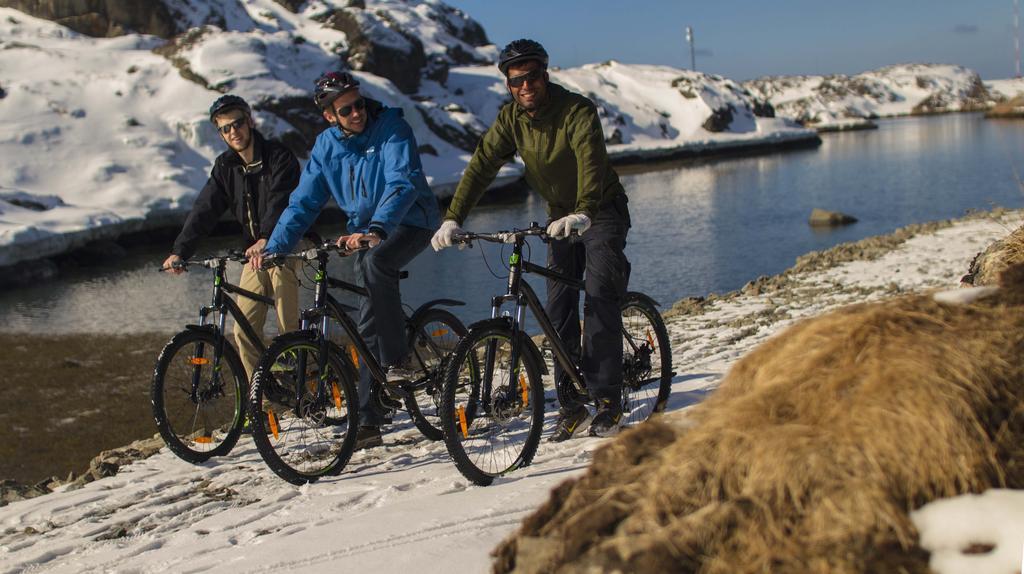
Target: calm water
x=698 y=228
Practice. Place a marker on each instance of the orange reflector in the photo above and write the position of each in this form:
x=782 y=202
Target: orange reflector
x=525 y=388
x=439 y=333
x=462 y=421
x=355 y=356
x=199 y=361
x=204 y=439
x=272 y=421
x=337 y=395
x=650 y=340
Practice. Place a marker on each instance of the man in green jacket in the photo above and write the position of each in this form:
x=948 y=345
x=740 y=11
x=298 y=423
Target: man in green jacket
x=558 y=135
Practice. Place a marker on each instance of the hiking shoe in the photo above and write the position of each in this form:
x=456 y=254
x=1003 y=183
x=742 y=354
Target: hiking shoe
x=368 y=437
x=402 y=373
x=606 y=421
x=569 y=419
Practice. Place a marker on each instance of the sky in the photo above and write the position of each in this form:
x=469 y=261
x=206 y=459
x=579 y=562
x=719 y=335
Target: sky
x=745 y=39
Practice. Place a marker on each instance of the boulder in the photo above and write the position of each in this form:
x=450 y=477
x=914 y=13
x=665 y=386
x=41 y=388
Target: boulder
x=719 y=120
x=101 y=18
x=823 y=218
x=378 y=45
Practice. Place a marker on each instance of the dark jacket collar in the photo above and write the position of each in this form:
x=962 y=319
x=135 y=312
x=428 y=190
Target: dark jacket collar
x=232 y=159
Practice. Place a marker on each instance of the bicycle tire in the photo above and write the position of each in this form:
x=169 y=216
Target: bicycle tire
x=197 y=426
x=432 y=338
x=475 y=429
x=647 y=360
x=304 y=441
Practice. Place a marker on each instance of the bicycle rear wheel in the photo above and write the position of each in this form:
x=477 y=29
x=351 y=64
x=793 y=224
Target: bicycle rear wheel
x=433 y=335
x=197 y=395
x=303 y=432
x=492 y=411
x=646 y=360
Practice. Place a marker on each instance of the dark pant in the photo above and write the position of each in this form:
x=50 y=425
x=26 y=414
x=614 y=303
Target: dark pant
x=599 y=252
x=381 y=319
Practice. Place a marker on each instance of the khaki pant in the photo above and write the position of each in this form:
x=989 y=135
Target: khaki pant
x=282 y=284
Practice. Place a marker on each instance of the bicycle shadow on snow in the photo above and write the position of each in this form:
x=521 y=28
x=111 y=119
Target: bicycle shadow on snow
x=681 y=399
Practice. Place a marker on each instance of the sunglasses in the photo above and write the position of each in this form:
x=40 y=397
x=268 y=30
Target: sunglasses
x=518 y=81
x=345 y=111
x=235 y=125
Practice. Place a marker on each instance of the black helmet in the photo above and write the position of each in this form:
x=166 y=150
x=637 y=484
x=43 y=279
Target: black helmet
x=228 y=102
x=331 y=85
x=519 y=51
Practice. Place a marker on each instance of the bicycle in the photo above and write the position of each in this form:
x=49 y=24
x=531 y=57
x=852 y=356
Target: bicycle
x=492 y=406
x=199 y=382
x=297 y=434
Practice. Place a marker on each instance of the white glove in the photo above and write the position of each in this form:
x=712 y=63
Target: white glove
x=443 y=237
x=560 y=228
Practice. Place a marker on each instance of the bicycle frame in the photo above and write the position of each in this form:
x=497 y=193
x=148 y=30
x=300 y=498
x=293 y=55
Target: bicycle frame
x=523 y=296
x=224 y=305
x=326 y=306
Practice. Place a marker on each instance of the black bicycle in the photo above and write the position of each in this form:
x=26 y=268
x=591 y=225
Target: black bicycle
x=492 y=406
x=309 y=431
x=199 y=383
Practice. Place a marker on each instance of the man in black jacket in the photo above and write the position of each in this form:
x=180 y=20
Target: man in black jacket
x=254 y=179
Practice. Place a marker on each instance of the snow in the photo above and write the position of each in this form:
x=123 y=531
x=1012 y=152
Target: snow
x=994 y=517
x=889 y=91
x=404 y=506
x=113 y=129
x=1008 y=88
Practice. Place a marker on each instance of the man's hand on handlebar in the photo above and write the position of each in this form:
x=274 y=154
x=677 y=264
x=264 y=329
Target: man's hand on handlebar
x=173 y=264
x=358 y=241
x=256 y=255
x=446 y=235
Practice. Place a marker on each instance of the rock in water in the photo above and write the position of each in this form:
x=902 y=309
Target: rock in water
x=821 y=217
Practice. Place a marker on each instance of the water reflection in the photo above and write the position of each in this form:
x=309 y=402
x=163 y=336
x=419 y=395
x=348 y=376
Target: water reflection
x=697 y=227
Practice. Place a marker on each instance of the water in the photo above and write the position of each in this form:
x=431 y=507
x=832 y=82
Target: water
x=698 y=228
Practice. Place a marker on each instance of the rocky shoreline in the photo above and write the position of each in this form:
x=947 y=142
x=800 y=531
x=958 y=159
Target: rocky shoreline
x=108 y=462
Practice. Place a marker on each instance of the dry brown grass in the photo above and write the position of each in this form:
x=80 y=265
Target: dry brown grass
x=810 y=455
x=989 y=264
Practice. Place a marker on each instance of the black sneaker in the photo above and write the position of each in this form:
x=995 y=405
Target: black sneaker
x=606 y=421
x=368 y=437
x=569 y=419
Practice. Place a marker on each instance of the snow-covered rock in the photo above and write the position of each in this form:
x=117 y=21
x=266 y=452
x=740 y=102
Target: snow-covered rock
x=890 y=91
x=117 y=129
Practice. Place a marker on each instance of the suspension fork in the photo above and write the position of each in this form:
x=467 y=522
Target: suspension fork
x=514 y=287
x=217 y=304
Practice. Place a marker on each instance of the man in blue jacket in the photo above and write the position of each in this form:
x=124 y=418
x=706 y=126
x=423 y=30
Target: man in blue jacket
x=370 y=164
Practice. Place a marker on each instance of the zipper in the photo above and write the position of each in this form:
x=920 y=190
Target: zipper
x=252 y=215
x=352 y=181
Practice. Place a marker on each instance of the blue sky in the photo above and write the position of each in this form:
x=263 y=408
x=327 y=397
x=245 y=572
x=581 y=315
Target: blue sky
x=744 y=39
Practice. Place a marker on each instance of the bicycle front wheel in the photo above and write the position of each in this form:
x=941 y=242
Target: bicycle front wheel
x=646 y=361
x=492 y=410
x=303 y=421
x=197 y=395
x=433 y=336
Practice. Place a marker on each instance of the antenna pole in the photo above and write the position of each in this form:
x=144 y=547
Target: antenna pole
x=693 y=55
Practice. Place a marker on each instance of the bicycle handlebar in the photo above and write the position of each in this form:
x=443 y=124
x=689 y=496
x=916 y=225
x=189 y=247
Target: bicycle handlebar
x=209 y=262
x=313 y=253
x=535 y=230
